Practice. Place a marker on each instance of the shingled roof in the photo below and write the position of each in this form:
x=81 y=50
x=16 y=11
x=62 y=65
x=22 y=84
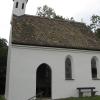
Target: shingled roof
x=39 y=31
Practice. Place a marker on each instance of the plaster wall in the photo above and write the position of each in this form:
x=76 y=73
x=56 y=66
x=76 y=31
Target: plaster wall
x=25 y=60
x=19 y=11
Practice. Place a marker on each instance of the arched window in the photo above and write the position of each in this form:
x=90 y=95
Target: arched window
x=16 y=4
x=94 y=67
x=23 y=6
x=68 y=69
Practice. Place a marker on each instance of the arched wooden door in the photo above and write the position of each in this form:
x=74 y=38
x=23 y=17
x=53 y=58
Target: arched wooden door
x=43 y=81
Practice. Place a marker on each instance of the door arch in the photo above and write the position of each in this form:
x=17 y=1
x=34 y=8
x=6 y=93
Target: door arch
x=43 y=81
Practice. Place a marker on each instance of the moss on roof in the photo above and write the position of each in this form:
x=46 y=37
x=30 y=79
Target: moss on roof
x=39 y=31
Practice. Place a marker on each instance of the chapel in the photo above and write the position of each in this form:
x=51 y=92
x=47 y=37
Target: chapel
x=50 y=58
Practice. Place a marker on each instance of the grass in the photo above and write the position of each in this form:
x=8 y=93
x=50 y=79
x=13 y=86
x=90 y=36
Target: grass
x=2 y=98
x=83 y=98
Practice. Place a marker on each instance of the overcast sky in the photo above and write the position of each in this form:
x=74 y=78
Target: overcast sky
x=79 y=9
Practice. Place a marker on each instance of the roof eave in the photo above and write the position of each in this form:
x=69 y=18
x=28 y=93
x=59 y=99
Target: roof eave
x=78 y=48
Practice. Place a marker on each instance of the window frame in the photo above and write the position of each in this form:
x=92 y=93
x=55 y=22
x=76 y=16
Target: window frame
x=95 y=66
x=68 y=75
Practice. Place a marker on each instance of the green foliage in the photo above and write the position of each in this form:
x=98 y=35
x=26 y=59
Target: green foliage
x=2 y=98
x=3 y=42
x=3 y=47
x=59 y=17
x=3 y=64
x=95 y=25
x=3 y=51
x=45 y=11
x=83 y=98
x=72 y=19
x=49 y=12
x=98 y=32
x=95 y=22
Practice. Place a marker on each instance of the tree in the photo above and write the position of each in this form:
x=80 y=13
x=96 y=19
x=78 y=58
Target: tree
x=3 y=64
x=45 y=11
x=49 y=12
x=98 y=32
x=3 y=42
x=95 y=25
x=59 y=17
x=95 y=22
x=72 y=19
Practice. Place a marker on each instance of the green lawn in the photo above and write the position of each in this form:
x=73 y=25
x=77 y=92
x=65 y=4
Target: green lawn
x=83 y=98
x=2 y=98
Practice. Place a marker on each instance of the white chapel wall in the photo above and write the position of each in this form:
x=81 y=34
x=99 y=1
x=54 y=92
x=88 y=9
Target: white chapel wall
x=18 y=10
x=25 y=60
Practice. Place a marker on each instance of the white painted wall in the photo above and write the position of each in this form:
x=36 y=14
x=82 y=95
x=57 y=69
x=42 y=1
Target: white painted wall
x=19 y=11
x=25 y=60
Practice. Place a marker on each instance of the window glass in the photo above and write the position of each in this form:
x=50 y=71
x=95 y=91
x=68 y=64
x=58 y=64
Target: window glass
x=94 y=68
x=68 y=69
x=23 y=6
x=16 y=4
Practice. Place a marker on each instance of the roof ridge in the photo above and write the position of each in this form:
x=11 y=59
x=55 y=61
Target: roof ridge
x=52 y=19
